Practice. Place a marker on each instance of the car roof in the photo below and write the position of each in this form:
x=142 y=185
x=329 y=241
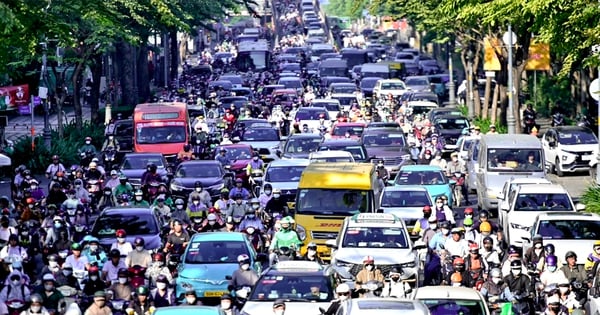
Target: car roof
x=218 y=236
x=310 y=109
x=447 y=293
x=235 y=145
x=289 y=162
x=325 y=100
x=188 y=310
x=572 y=128
x=295 y=267
x=330 y=153
x=341 y=142
x=305 y=136
x=511 y=141
x=452 y=116
x=543 y=188
x=374 y=220
x=386 y=305
x=420 y=168
x=199 y=162
x=353 y=124
x=568 y=215
x=529 y=180
x=405 y=188
x=127 y=210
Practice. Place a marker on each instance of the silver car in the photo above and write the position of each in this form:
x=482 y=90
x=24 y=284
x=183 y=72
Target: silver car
x=285 y=175
x=264 y=139
x=406 y=202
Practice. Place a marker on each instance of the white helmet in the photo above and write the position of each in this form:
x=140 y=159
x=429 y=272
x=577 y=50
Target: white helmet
x=342 y=288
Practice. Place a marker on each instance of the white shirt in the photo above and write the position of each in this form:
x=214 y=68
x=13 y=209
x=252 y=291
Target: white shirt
x=79 y=264
x=460 y=248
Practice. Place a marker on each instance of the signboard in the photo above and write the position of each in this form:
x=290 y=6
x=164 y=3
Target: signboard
x=491 y=61
x=539 y=57
x=14 y=96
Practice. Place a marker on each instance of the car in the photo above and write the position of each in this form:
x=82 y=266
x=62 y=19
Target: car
x=123 y=133
x=381 y=235
x=463 y=145
x=209 y=258
x=347 y=130
x=405 y=56
x=188 y=310
x=294 y=282
x=137 y=222
x=284 y=97
x=134 y=165
x=367 y=84
x=310 y=116
x=429 y=66
x=421 y=107
x=423 y=96
x=434 y=114
x=567 y=231
x=511 y=185
x=358 y=150
x=248 y=123
x=331 y=156
x=526 y=203
x=209 y=173
x=450 y=128
x=236 y=80
x=382 y=125
x=429 y=176
x=346 y=100
x=240 y=156
x=265 y=140
x=300 y=145
x=385 y=87
x=418 y=83
x=388 y=145
x=292 y=83
x=284 y=175
x=452 y=300
x=405 y=202
x=382 y=306
x=332 y=106
x=342 y=88
x=472 y=165
x=238 y=101
x=569 y=149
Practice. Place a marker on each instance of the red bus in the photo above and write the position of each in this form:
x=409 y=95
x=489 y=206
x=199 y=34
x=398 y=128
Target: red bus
x=161 y=127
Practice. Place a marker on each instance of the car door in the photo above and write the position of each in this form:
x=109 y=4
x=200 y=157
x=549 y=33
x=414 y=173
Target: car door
x=549 y=146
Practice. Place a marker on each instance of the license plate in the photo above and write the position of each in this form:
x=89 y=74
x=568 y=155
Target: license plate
x=291 y=205
x=587 y=157
x=263 y=157
x=214 y=293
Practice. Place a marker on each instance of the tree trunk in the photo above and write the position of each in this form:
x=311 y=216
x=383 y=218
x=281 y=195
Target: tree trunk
x=494 y=113
x=503 y=104
x=174 y=54
x=76 y=80
x=96 y=68
x=486 y=98
x=143 y=76
x=124 y=60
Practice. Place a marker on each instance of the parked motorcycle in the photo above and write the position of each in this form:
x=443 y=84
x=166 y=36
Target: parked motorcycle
x=558 y=119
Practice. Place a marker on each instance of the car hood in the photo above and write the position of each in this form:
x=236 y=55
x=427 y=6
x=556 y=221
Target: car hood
x=137 y=173
x=405 y=212
x=579 y=147
x=526 y=218
x=284 y=185
x=262 y=144
x=383 y=256
x=189 y=182
x=203 y=272
x=293 y=308
x=386 y=151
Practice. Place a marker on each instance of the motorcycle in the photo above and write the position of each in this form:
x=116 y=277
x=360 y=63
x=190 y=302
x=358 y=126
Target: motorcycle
x=529 y=120
x=119 y=306
x=256 y=238
x=256 y=179
x=152 y=192
x=138 y=276
x=70 y=297
x=79 y=232
x=94 y=188
x=109 y=158
x=229 y=177
x=200 y=146
x=558 y=119
x=86 y=157
x=15 y=306
x=459 y=180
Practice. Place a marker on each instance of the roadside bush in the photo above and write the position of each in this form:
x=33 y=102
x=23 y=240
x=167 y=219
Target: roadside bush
x=484 y=124
x=591 y=199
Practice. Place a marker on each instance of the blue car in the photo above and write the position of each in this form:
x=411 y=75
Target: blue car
x=208 y=259
x=431 y=177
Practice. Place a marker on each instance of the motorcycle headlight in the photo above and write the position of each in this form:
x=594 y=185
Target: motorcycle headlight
x=301 y=232
x=175 y=186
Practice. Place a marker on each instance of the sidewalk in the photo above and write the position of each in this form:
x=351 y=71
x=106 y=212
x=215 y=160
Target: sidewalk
x=20 y=125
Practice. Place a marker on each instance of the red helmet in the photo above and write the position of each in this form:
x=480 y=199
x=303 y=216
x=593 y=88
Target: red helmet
x=458 y=261
x=469 y=210
x=30 y=201
x=121 y=233
x=213 y=210
x=427 y=209
x=368 y=260
x=158 y=257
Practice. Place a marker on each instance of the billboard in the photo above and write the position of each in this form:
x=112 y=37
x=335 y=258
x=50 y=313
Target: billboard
x=14 y=96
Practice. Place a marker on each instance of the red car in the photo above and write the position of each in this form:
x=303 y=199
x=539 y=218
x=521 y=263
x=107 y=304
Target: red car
x=351 y=130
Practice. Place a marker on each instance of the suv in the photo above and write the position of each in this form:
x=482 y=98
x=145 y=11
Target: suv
x=350 y=145
x=381 y=235
x=389 y=145
x=569 y=148
x=304 y=285
x=300 y=145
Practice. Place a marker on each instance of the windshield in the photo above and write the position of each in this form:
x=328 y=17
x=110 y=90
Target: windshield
x=543 y=202
x=453 y=307
x=345 y=100
x=311 y=115
x=368 y=84
x=578 y=137
x=296 y=288
x=420 y=178
x=569 y=229
x=333 y=201
x=353 y=131
x=266 y=134
x=375 y=237
x=399 y=199
x=238 y=153
x=384 y=140
x=333 y=106
x=332 y=159
x=149 y=134
x=357 y=152
x=458 y=123
x=417 y=109
x=393 y=86
x=515 y=160
x=302 y=145
x=284 y=174
x=215 y=252
x=291 y=84
x=416 y=81
x=139 y=224
x=343 y=89
x=133 y=162
x=198 y=170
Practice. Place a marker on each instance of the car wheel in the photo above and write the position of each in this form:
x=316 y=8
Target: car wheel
x=559 y=172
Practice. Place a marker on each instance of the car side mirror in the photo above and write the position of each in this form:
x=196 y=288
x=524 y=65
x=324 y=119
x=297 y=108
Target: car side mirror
x=579 y=207
x=500 y=196
x=331 y=244
x=504 y=207
x=526 y=239
x=278 y=153
x=464 y=156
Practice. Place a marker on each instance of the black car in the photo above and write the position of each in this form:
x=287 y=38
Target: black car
x=389 y=145
x=137 y=222
x=450 y=128
x=134 y=165
x=208 y=172
x=355 y=147
x=436 y=113
x=300 y=145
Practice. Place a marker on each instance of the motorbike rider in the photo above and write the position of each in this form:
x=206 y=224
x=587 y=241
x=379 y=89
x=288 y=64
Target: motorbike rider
x=227 y=306
x=255 y=164
x=66 y=277
x=122 y=287
x=534 y=256
x=108 y=199
x=141 y=304
x=456 y=244
x=55 y=167
x=572 y=270
x=239 y=189
x=79 y=262
x=439 y=239
x=94 y=252
x=396 y=287
x=554 y=306
x=490 y=254
x=87 y=147
x=213 y=223
x=244 y=276
x=223 y=158
x=456 y=166
x=49 y=293
x=99 y=306
x=35 y=306
x=56 y=196
x=93 y=283
x=237 y=209
x=158 y=268
x=265 y=195
x=121 y=244
x=93 y=172
x=162 y=296
x=123 y=188
x=138 y=200
x=471 y=235
x=224 y=202
x=475 y=265
x=161 y=207
x=312 y=254
x=519 y=285
x=252 y=220
x=342 y=292
x=529 y=116
x=458 y=273
x=15 y=288
x=80 y=192
x=285 y=237
x=110 y=270
x=276 y=204
x=552 y=274
x=13 y=251
x=593 y=258
x=110 y=142
x=55 y=231
x=443 y=211
x=423 y=223
x=151 y=175
x=52 y=266
x=196 y=209
x=178 y=239
x=368 y=273
x=37 y=192
x=431 y=230
x=179 y=213
x=113 y=180
x=494 y=290
x=201 y=193
x=140 y=256
x=185 y=154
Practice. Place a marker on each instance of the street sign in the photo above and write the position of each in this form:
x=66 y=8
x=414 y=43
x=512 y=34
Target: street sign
x=595 y=89
x=490 y=74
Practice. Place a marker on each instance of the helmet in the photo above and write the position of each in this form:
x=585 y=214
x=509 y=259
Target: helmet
x=36 y=298
x=55 y=157
x=179 y=201
x=596 y=243
x=162 y=278
x=254 y=200
x=53 y=257
x=516 y=264
x=537 y=239
x=114 y=253
x=158 y=257
x=195 y=197
x=138 y=193
x=312 y=246
x=468 y=222
x=551 y=261
x=121 y=233
x=484 y=214
x=48 y=277
x=30 y=201
x=549 y=248
x=226 y=297
x=473 y=246
x=469 y=210
x=570 y=254
x=93 y=270
x=368 y=260
x=88 y=138
x=197 y=184
x=211 y=217
x=456 y=277
x=458 y=261
x=427 y=209
x=445 y=225
x=287 y=220
x=485 y=227
x=93 y=165
x=243 y=258
x=139 y=242
x=342 y=288
x=76 y=246
x=59 y=173
x=142 y=290
x=496 y=273
x=123 y=272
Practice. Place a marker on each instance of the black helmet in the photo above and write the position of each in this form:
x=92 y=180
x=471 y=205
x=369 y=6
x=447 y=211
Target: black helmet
x=123 y=272
x=445 y=225
x=197 y=184
x=152 y=167
x=516 y=263
x=139 y=242
x=484 y=214
x=570 y=254
x=114 y=253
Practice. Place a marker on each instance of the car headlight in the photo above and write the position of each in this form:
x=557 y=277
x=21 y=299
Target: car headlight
x=519 y=226
x=301 y=232
x=408 y=265
x=405 y=157
x=175 y=186
x=343 y=264
x=491 y=193
x=218 y=186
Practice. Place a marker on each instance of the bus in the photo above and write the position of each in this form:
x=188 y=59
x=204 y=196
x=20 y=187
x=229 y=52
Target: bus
x=161 y=127
x=253 y=55
x=327 y=194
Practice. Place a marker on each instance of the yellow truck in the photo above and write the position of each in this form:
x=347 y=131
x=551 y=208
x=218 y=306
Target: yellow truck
x=327 y=194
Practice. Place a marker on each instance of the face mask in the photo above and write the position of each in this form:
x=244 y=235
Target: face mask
x=211 y=222
x=445 y=231
x=93 y=248
x=53 y=264
x=496 y=280
x=251 y=216
x=552 y=268
x=276 y=196
x=225 y=305
x=93 y=278
x=161 y=286
x=563 y=290
x=255 y=158
x=516 y=272
x=245 y=266
x=438 y=158
x=138 y=198
x=107 y=193
x=342 y=297
x=122 y=280
x=433 y=226
x=121 y=240
x=279 y=312
x=36 y=308
x=88 y=142
x=267 y=192
x=58 y=225
x=198 y=189
x=158 y=264
x=16 y=282
x=33 y=187
x=538 y=246
x=67 y=272
x=369 y=267
x=255 y=206
x=48 y=287
x=196 y=202
x=77 y=185
x=180 y=207
x=190 y=300
x=139 y=248
x=468 y=228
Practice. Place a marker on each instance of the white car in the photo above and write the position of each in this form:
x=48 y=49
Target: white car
x=332 y=106
x=285 y=175
x=529 y=201
x=385 y=87
x=569 y=148
x=310 y=116
x=452 y=300
x=511 y=185
x=336 y=156
x=384 y=306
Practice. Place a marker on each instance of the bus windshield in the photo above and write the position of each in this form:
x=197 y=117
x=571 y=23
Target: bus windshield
x=333 y=201
x=153 y=133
